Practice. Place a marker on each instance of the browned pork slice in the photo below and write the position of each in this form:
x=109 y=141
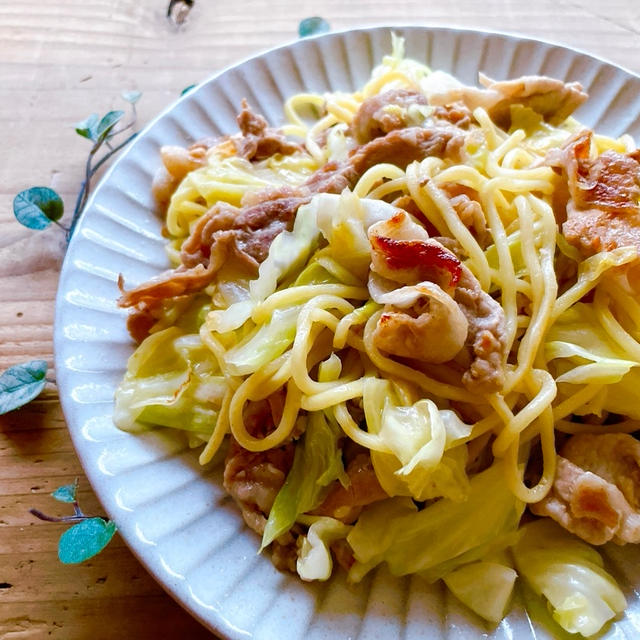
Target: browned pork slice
x=404 y=146
x=553 y=99
x=383 y=113
x=253 y=480
x=456 y=113
x=466 y=203
x=220 y=233
x=391 y=110
x=259 y=140
x=603 y=210
x=400 y=147
x=176 y=163
x=254 y=229
x=247 y=233
x=402 y=251
x=346 y=503
x=486 y=340
x=457 y=314
x=421 y=322
x=596 y=491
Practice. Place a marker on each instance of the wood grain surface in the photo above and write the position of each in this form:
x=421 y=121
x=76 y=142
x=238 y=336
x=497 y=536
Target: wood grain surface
x=60 y=61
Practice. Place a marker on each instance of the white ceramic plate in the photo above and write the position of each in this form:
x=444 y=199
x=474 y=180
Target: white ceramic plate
x=174 y=515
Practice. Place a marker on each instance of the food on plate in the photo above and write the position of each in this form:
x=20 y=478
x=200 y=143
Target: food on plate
x=408 y=321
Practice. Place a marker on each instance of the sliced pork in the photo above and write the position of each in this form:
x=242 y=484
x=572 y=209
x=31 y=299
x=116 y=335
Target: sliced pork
x=346 y=503
x=384 y=112
x=603 y=210
x=486 y=339
x=258 y=140
x=435 y=326
x=596 y=491
x=553 y=99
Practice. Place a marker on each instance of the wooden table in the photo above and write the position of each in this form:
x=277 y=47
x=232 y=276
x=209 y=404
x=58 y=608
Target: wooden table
x=60 y=61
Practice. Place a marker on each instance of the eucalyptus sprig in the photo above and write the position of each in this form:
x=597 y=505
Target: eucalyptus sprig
x=88 y=536
x=38 y=207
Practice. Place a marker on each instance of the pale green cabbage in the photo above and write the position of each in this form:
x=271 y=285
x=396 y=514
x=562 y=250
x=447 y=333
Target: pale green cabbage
x=425 y=462
x=172 y=380
x=581 y=352
x=317 y=463
x=485 y=587
x=412 y=541
x=344 y=221
x=570 y=574
x=341 y=221
x=264 y=344
x=314 y=557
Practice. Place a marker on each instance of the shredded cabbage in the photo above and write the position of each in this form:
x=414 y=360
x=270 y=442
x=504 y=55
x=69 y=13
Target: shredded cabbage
x=265 y=344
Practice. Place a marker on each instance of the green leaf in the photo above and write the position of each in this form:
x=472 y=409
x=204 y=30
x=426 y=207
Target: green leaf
x=37 y=207
x=66 y=493
x=312 y=26
x=85 y=539
x=109 y=120
x=21 y=384
x=131 y=96
x=87 y=127
x=187 y=89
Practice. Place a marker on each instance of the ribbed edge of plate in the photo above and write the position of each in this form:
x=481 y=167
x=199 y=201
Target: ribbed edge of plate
x=173 y=514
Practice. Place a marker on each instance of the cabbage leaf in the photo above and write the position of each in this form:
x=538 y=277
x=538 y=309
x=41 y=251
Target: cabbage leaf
x=581 y=352
x=172 y=380
x=570 y=574
x=317 y=463
x=412 y=541
x=314 y=558
x=485 y=587
x=425 y=462
x=263 y=345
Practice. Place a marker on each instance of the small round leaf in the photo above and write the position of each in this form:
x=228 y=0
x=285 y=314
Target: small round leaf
x=84 y=540
x=21 y=384
x=109 y=120
x=66 y=493
x=37 y=207
x=131 y=96
x=87 y=127
x=312 y=26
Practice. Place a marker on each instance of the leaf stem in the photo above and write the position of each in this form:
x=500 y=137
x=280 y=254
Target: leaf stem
x=43 y=516
x=114 y=150
x=90 y=171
